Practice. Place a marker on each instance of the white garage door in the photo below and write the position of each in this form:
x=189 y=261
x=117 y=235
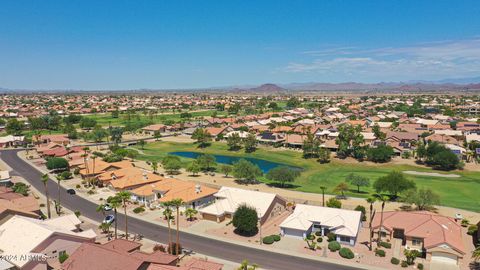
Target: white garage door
x=293 y=233
x=444 y=257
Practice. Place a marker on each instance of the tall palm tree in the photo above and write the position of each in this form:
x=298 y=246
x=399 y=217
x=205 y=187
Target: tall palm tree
x=125 y=197
x=371 y=201
x=94 y=157
x=177 y=203
x=45 y=182
x=323 y=188
x=115 y=202
x=167 y=213
x=383 y=199
x=58 y=206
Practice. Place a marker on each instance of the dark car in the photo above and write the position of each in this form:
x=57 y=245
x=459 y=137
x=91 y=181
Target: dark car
x=71 y=191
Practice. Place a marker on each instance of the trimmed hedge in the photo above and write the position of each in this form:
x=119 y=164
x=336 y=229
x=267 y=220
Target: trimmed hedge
x=268 y=240
x=331 y=237
x=404 y=264
x=334 y=246
x=320 y=240
x=380 y=252
x=420 y=266
x=395 y=261
x=385 y=245
x=310 y=237
x=318 y=233
x=346 y=253
x=276 y=237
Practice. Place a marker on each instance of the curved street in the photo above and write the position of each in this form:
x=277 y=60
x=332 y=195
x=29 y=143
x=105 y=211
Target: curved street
x=200 y=244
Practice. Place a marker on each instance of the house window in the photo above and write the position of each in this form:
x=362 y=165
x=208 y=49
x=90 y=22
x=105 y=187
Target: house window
x=417 y=241
x=344 y=238
x=317 y=226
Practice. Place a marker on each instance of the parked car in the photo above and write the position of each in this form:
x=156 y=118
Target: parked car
x=109 y=219
x=71 y=191
x=107 y=207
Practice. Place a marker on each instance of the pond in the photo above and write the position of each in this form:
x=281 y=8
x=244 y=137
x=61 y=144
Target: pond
x=264 y=165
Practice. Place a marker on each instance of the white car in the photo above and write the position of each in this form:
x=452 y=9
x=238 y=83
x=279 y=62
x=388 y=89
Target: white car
x=109 y=219
x=458 y=216
x=107 y=207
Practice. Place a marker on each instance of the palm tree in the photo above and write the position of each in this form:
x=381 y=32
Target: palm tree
x=177 y=203
x=167 y=213
x=125 y=197
x=323 y=188
x=245 y=266
x=101 y=208
x=371 y=201
x=93 y=166
x=45 y=182
x=58 y=206
x=383 y=199
x=115 y=202
x=190 y=213
x=476 y=254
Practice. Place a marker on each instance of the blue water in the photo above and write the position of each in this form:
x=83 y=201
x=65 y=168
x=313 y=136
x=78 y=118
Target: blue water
x=264 y=165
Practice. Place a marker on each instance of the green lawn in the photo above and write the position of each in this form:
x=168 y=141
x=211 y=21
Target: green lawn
x=459 y=192
x=106 y=119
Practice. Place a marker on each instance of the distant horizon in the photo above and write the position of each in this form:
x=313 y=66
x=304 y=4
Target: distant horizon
x=191 y=44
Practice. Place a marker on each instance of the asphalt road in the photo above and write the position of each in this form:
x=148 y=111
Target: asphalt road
x=199 y=244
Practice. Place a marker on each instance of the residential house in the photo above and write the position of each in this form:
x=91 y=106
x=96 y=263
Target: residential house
x=440 y=238
x=12 y=141
x=114 y=255
x=128 y=178
x=44 y=239
x=193 y=195
x=308 y=219
x=151 y=129
x=228 y=199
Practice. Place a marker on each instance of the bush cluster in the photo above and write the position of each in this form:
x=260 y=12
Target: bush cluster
x=139 y=209
x=334 y=246
x=404 y=264
x=385 y=245
x=380 y=252
x=395 y=261
x=331 y=237
x=268 y=240
x=346 y=253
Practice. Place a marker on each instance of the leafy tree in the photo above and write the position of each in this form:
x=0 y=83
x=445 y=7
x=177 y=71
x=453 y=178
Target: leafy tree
x=142 y=143
x=424 y=199
x=324 y=155
x=341 y=188
x=57 y=163
x=381 y=153
x=245 y=220
x=311 y=146
x=206 y=162
x=87 y=123
x=157 y=135
x=293 y=102
x=246 y=171
x=358 y=180
x=411 y=254
x=378 y=133
x=282 y=175
x=334 y=203
x=421 y=150
x=116 y=134
x=115 y=114
x=393 y=183
x=14 y=127
x=193 y=167
x=154 y=165
x=234 y=141
x=226 y=169
x=202 y=136
x=445 y=160
x=71 y=131
x=349 y=141
x=171 y=164
x=250 y=143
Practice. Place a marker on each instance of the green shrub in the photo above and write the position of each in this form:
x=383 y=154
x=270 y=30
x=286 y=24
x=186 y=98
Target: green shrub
x=404 y=264
x=346 y=253
x=331 y=237
x=334 y=246
x=318 y=233
x=472 y=229
x=310 y=237
x=268 y=240
x=395 y=261
x=380 y=252
x=139 y=209
x=62 y=257
x=385 y=245
x=420 y=266
x=276 y=237
x=320 y=240
x=362 y=209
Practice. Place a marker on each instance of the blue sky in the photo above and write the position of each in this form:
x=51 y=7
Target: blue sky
x=189 y=44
